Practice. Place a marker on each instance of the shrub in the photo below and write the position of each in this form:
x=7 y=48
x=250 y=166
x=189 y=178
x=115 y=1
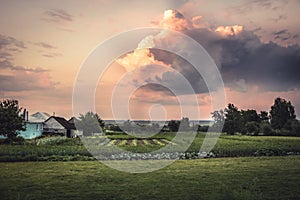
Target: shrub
x=18 y=140
x=266 y=128
x=270 y=152
x=295 y=127
x=281 y=132
x=203 y=128
x=58 y=140
x=252 y=127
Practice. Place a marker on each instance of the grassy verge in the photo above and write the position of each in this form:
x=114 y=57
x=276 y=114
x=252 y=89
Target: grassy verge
x=220 y=178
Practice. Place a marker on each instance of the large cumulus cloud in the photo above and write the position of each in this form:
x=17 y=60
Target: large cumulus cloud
x=242 y=58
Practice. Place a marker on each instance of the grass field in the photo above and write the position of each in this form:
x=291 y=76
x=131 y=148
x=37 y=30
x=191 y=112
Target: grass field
x=219 y=178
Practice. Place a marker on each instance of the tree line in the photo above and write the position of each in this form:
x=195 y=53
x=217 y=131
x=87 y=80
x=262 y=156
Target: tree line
x=280 y=120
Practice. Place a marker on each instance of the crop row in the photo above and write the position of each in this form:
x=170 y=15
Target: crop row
x=138 y=142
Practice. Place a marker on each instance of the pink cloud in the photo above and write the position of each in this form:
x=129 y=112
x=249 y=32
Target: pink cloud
x=229 y=30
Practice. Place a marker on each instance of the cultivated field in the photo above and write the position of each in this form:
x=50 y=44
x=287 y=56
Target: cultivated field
x=67 y=149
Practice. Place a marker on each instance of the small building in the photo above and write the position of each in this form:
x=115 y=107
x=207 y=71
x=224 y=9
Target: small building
x=75 y=132
x=60 y=126
x=34 y=125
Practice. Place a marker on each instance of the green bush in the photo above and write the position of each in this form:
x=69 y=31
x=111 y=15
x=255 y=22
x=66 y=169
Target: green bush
x=295 y=128
x=58 y=140
x=281 y=132
x=266 y=128
x=270 y=152
x=252 y=127
x=202 y=128
x=18 y=140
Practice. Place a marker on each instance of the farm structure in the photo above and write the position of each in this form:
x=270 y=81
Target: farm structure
x=60 y=126
x=34 y=125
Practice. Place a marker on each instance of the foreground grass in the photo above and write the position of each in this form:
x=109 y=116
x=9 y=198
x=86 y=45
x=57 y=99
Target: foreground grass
x=220 y=178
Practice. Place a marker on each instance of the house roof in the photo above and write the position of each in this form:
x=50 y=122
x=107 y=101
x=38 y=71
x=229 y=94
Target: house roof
x=32 y=119
x=62 y=121
x=41 y=115
x=38 y=117
x=72 y=120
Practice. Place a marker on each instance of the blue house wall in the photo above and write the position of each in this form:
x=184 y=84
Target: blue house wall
x=33 y=130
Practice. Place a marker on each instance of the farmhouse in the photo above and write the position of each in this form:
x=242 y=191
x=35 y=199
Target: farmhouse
x=34 y=128
x=60 y=126
x=34 y=124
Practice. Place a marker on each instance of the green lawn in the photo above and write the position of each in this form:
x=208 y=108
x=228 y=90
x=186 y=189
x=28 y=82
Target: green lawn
x=219 y=178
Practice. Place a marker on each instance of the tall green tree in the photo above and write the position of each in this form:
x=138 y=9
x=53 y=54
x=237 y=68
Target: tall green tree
x=174 y=125
x=281 y=113
x=233 y=120
x=219 y=118
x=185 y=123
x=264 y=116
x=100 y=121
x=90 y=123
x=249 y=121
x=249 y=115
x=11 y=119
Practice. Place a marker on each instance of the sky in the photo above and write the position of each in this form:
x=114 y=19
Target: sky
x=254 y=44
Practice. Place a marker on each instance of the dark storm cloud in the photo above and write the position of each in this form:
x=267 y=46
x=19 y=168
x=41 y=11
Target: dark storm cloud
x=270 y=66
x=57 y=15
x=242 y=59
x=208 y=40
x=174 y=80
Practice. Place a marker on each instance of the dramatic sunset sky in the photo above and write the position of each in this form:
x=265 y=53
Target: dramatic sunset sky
x=254 y=43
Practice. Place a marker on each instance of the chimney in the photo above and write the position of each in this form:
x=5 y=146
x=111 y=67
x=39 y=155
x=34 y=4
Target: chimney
x=26 y=115
x=54 y=114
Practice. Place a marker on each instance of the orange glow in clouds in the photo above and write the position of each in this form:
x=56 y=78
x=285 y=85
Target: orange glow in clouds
x=141 y=56
x=174 y=20
x=229 y=30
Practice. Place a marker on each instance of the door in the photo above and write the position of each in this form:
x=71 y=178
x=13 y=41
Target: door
x=68 y=133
